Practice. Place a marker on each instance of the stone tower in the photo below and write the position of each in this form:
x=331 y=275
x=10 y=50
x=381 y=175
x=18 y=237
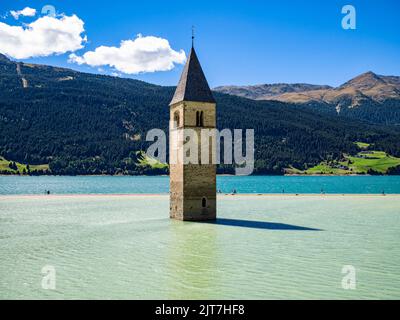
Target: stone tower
x=192 y=185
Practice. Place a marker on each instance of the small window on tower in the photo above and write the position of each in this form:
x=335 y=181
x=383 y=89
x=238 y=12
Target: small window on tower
x=204 y=202
x=201 y=119
x=187 y=139
x=176 y=119
x=197 y=119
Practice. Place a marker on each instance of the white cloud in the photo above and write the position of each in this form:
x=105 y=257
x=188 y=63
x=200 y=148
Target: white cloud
x=26 y=12
x=43 y=37
x=142 y=54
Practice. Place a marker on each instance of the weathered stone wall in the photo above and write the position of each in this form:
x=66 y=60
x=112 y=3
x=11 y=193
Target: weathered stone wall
x=191 y=183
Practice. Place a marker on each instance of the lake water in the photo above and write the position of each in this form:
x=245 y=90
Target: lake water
x=160 y=184
x=262 y=247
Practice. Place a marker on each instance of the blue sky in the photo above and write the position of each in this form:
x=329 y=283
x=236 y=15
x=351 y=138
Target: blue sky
x=240 y=42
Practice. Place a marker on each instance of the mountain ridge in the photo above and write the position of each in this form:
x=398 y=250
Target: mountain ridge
x=365 y=90
x=262 y=91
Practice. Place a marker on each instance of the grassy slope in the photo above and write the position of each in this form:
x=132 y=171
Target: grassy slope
x=362 y=145
x=4 y=166
x=145 y=160
x=364 y=161
x=376 y=160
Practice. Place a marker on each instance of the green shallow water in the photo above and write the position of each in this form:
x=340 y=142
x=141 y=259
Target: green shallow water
x=263 y=247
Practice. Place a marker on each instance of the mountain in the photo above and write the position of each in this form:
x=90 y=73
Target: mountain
x=265 y=91
x=369 y=97
x=80 y=123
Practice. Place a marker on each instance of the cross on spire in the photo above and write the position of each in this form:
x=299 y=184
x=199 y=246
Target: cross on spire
x=192 y=36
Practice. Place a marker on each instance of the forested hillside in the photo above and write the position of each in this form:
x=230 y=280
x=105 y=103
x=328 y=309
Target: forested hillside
x=93 y=124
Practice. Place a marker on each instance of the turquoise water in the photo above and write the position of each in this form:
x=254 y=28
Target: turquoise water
x=262 y=247
x=160 y=184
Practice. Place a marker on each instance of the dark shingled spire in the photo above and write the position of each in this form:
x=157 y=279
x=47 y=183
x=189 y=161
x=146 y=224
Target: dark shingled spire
x=193 y=85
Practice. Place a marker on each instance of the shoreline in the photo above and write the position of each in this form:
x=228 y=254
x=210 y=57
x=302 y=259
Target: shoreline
x=224 y=195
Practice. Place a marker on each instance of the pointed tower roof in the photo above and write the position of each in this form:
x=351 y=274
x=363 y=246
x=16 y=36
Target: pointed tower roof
x=193 y=85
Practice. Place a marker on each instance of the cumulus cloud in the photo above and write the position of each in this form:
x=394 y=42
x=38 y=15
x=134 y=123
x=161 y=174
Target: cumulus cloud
x=26 y=12
x=139 y=55
x=43 y=37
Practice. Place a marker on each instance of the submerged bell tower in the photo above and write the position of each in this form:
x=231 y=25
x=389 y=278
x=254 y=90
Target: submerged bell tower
x=192 y=185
